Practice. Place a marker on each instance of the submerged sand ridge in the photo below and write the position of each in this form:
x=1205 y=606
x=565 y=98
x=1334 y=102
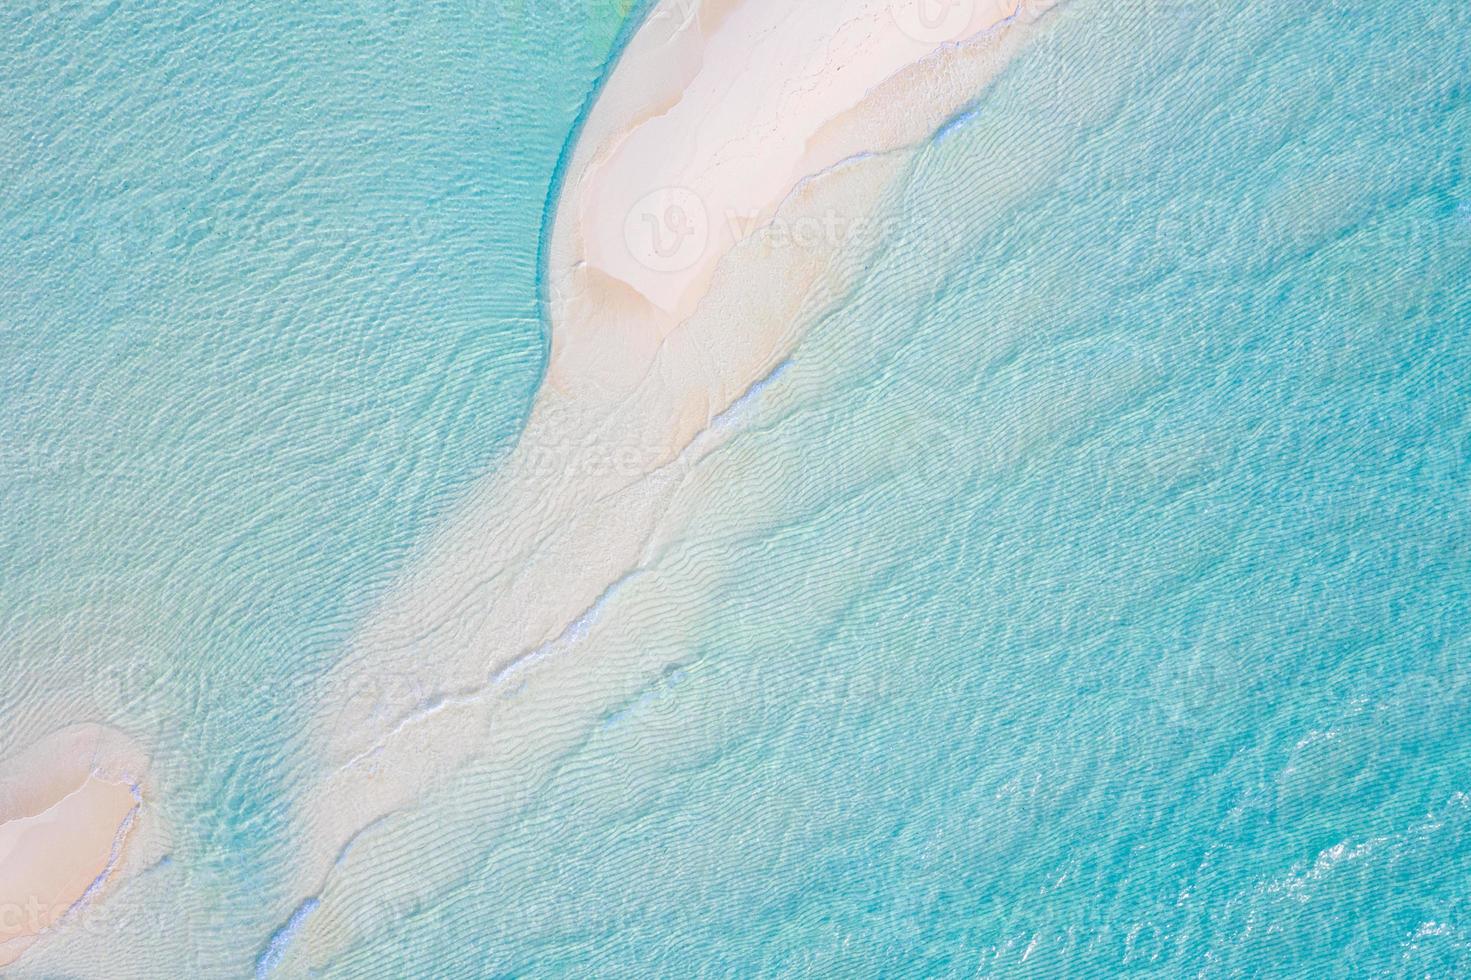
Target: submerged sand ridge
x=705 y=217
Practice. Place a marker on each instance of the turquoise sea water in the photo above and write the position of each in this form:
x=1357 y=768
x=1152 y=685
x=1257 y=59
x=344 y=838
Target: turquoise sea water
x=1112 y=608
x=268 y=304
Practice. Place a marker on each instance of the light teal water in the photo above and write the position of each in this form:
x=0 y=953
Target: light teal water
x=1115 y=614
x=267 y=306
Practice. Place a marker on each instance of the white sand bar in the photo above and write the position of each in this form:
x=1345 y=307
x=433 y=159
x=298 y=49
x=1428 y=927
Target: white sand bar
x=749 y=88
x=668 y=299
x=67 y=806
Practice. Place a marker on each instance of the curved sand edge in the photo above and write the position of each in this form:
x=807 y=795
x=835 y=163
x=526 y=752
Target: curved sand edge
x=69 y=804
x=645 y=359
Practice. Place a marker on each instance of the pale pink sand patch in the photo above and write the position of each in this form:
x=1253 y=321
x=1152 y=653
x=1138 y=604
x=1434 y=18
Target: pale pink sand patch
x=67 y=806
x=671 y=194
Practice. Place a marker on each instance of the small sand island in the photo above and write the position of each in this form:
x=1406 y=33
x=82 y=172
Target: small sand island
x=68 y=806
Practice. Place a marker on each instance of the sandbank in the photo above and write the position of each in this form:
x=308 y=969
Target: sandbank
x=708 y=211
x=68 y=804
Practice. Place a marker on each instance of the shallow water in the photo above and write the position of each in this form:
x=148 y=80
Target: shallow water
x=269 y=282
x=1091 y=590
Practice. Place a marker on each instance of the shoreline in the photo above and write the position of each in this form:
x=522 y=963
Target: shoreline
x=631 y=26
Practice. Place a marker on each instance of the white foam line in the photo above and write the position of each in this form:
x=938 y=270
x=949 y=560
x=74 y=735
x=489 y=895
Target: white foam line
x=280 y=940
x=113 y=857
